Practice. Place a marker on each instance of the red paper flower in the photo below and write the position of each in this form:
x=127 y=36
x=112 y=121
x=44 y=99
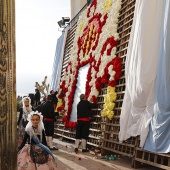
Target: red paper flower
x=87 y=43
x=59 y=109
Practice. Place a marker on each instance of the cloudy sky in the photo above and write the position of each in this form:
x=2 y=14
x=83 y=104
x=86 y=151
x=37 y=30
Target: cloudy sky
x=36 y=37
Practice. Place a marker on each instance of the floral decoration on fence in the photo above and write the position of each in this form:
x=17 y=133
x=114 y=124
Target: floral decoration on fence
x=95 y=44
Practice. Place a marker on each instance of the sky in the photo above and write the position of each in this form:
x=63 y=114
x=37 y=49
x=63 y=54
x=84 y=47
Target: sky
x=37 y=32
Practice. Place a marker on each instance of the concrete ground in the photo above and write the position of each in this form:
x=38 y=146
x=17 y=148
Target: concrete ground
x=67 y=159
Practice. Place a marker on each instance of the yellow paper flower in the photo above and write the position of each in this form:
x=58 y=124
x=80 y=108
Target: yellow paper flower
x=97 y=35
x=85 y=55
x=104 y=113
x=81 y=27
x=59 y=104
x=107 y=5
x=90 y=29
x=91 y=26
x=112 y=97
x=110 y=115
x=109 y=104
x=90 y=33
x=105 y=99
x=110 y=89
x=85 y=39
x=87 y=46
x=93 y=35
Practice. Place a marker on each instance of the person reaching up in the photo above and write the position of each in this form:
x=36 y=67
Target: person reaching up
x=83 y=122
x=54 y=97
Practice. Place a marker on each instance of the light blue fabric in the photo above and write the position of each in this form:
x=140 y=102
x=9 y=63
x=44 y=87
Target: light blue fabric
x=57 y=64
x=43 y=147
x=158 y=139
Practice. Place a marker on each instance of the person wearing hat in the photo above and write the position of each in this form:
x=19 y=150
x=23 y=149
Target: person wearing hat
x=83 y=122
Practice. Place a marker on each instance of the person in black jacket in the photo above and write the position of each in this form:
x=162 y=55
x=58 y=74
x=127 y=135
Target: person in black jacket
x=37 y=96
x=54 y=97
x=83 y=122
x=49 y=119
x=38 y=108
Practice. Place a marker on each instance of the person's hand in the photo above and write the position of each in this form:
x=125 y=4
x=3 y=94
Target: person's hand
x=62 y=112
x=101 y=106
x=17 y=127
x=91 y=100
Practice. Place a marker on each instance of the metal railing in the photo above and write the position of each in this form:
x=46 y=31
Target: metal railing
x=78 y=14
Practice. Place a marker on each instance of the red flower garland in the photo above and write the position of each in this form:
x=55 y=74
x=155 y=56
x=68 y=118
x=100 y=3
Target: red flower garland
x=97 y=21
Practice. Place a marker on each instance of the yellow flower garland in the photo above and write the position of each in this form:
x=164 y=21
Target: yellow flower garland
x=109 y=105
x=109 y=29
x=59 y=104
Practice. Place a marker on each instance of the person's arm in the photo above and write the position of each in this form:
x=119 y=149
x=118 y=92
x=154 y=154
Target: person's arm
x=20 y=116
x=35 y=96
x=33 y=109
x=51 y=111
x=92 y=105
x=26 y=136
x=55 y=97
x=56 y=93
x=56 y=114
x=39 y=96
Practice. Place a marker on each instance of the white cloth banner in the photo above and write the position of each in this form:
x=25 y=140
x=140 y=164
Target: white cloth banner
x=80 y=89
x=158 y=139
x=140 y=70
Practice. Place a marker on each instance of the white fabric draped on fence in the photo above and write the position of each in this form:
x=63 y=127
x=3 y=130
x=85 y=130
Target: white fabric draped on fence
x=140 y=70
x=158 y=139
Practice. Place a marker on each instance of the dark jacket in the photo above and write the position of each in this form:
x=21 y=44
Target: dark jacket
x=84 y=109
x=20 y=116
x=26 y=139
x=38 y=108
x=48 y=110
x=55 y=99
x=37 y=96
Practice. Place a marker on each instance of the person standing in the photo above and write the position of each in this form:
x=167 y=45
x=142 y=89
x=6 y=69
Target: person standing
x=19 y=103
x=38 y=108
x=54 y=98
x=49 y=119
x=37 y=96
x=83 y=122
x=31 y=96
x=24 y=111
